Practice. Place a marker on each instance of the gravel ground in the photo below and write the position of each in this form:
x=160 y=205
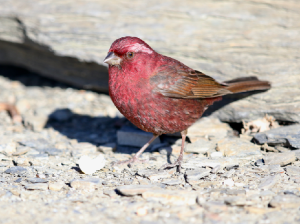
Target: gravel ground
x=225 y=178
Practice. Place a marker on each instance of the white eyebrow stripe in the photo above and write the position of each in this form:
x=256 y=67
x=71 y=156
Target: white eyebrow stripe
x=140 y=48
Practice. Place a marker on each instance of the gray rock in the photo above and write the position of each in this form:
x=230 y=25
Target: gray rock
x=154 y=175
x=134 y=137
x=212 y=163
x=131 y=190
x=238 y=147
x=281 y=159
x=35 y=180
x=84 y=184
x=172 y=182
x=269 y=182
x=288 y=136
x=213 y=206
x=16 y=170
x=196 y=174
x=293 y=170
x=38 y=186
x=275 y=169
x=171 y=197
x=285 y=201
x=237 y=201
x=39 y=143
x=202 y=145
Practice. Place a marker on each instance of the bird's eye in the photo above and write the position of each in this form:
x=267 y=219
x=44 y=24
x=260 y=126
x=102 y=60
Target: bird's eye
x=130 y=55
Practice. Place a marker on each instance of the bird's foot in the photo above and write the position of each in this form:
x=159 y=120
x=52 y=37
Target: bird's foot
x=129 y=161
x=176 y=164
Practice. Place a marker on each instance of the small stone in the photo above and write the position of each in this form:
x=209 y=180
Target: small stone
x=293 y=170
x=80 y=184
x=259 y=162
x=215 y=155
x=201 y=146
x=131 y=190
x=236 y=201
x=154 y=175
x=196 y=174
x=21 y=162
x=287 y=135
x=142 y=211
x=213 y=127
x=89 y=166
x=134 y=137
x=207 y=162
x=52 y=151
x=39 y=186
x=275 y=169
x=235 y=192
x=229 y=182
x=36 y=143
x=213 y=206
x=21 y=151
x=269 y=182
x=9 y=148
x=16 y=170
x=279 y=158
x=238 y=147
x=15 y=191
x=171 y=197
x=35 y=180
x=56 y=186
x=285 y=201
x=172 y=182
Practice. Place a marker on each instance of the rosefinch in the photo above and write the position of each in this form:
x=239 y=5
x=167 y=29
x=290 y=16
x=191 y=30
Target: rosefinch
x=160 y=94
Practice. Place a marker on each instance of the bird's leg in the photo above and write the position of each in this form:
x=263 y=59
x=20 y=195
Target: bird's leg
x=180 y=157
x=135 y=158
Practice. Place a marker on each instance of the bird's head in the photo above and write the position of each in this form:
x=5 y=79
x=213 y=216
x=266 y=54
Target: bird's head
x=127 y=49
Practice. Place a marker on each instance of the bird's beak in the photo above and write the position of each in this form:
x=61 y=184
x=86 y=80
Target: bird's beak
x=112 y=59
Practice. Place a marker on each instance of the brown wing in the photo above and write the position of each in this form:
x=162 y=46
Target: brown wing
x=183 y=82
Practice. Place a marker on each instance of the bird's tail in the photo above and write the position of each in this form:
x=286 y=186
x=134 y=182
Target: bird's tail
x=246 y=84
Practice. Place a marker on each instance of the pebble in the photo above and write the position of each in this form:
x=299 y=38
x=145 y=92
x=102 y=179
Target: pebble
x=8 y=148
x=269 y=182
x=279 y=158
x=196 y=174
x=131 y=190
x=293 y=170
x=154 y=175
x=285 y=201
x=287 y=135
x=215 y=155
x=38 y=186
x=172 y=182
x=200 y=146
x=21 y=162
x=16 y=170
x=89 y=165
x=56 y=186
x=238 y=147
x=171 y=197
x=80 y=184
x=35 y=180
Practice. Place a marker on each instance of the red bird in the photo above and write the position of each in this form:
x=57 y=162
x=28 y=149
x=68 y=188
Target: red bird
x=161 y=95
